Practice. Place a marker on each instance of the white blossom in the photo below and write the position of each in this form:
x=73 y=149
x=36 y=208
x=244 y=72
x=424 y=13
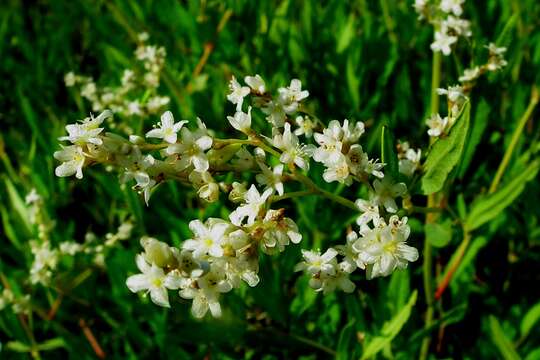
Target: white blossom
x=208 y=238
x=290 y=96
x=241 y=121
x=271 y=178
x=167 y=128
x=452 y=6
x=254 y=202
x=237 y=93
x=191 y=149
x=305 y=126
x=443 y=42
x=72 y=158
x=293 y=151
x=152 y=279
x=256 y=83
x=386 y=191
x=437 y=125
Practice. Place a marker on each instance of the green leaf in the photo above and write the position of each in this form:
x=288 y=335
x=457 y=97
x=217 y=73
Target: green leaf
x=346 y=36
x=18 y=205
x=389 y=330
x=446 y=153
x=530 y=319
x=503 y=344
x=489 y=206
x=388 y=153
x=18 y=346
x=533 y=355
x=439 y=234
x=346 y=337
x=52 y=344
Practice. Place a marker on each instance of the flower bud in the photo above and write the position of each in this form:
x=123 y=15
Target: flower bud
x=157 y=252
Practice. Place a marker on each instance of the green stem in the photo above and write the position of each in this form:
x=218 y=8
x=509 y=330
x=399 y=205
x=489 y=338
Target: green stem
x=513 y=142
x=290 y=195
x=435 y=81
x=336 y=198
x=427 y=265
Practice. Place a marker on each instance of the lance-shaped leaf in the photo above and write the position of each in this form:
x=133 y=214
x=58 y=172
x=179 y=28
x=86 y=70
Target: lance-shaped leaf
x=389 y=330
x=487 y=207
x=446 y=153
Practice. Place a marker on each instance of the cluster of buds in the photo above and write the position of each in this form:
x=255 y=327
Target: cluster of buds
x=18 y=304
x=137 y=93
x=440 y=126
x=225 y=252
x=444 y=15
x=494 y=62
x=46 y=257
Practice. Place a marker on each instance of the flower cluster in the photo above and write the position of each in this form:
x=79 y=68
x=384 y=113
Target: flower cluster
x=137 y=93
x=223 y=253
x=494 y=62
x=220 y=256
x=445 y=17
x=440 y=126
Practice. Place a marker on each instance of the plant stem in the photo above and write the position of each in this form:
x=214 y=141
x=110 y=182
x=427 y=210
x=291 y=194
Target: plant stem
x=430 y=217
x=452 y=269
x=292 y=194
x=515 y=138
x=315 y=189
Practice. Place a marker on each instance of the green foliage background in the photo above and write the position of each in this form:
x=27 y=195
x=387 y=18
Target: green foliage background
x=363 y=60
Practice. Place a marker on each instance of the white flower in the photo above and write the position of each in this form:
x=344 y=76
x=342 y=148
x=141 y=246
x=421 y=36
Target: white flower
x=237 y=93
x=32 y=197
x=452 y=6
x=72 y=158
x=87 y=131
x=254 y=201
x=386 y=192
x=459 y=26
x=340 y=280
x=156 y=102
x=409 y=164
x=383 y=249
x=370 y=212
x=70 y=79
x=338 y=171
x=280 y=231
x=276 y=113
x=494 y=50
x=419 y=7
x=206 y=293
x=329 y=150
x=207 y=188
x=470 y=74
x=191 y=148
x=271 y=178
x=208 y=238
x=315 y=263
x=349 y=263
x=442 y=42
x=152 y=279
x=454 y=93
x=290 y=96
x=305 y=126
x=256 y=83
x=241 y=121
x=293 y=151
x=437 y=125
x=167 y=128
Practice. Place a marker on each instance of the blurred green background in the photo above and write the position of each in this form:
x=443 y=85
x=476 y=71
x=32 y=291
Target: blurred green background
x=363 y=60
